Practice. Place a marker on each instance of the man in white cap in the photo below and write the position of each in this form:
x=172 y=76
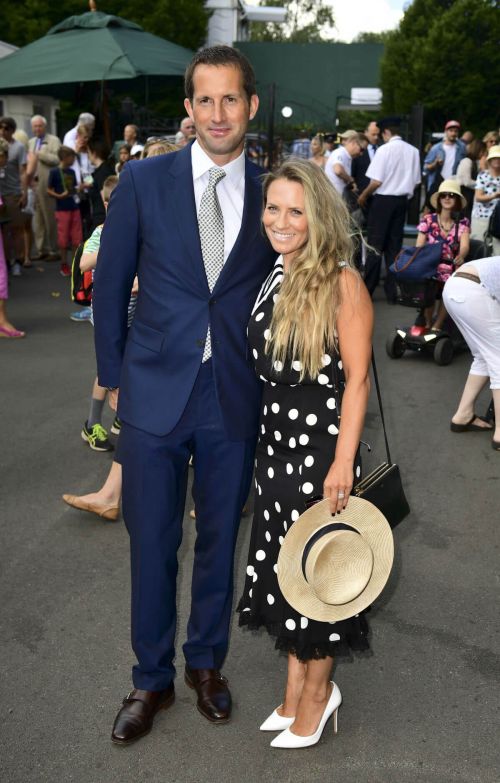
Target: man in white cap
x=442 y=160
x=339 y=164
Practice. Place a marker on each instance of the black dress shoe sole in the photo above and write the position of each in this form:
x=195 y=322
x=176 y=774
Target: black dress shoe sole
x=208 y=717
x=164 y=706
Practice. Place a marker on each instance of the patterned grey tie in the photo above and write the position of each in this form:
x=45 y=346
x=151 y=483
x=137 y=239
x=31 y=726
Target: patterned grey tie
x=211 y=227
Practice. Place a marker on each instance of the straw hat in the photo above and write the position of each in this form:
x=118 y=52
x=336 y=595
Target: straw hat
x=494 y=152
x=331 y=568
x=449 y=186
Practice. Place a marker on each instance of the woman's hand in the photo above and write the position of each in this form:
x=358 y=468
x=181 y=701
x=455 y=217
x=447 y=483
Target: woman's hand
x=338 y=484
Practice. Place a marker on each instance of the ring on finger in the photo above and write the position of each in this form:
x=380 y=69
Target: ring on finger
x=341 y=495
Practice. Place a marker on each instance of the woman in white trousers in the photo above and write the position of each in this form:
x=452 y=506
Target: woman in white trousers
x=472 y=298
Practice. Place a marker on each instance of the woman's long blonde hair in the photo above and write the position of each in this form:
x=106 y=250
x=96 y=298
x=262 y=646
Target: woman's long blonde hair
x=304 y=319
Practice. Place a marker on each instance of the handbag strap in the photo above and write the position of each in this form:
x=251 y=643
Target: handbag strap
x=379 y=398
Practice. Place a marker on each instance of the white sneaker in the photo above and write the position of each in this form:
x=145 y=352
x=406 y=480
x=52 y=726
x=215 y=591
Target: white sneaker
x=289 y=740
x=276 y=722
x=16 y=269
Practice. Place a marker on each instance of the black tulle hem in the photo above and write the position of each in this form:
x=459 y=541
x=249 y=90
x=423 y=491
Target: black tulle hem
x=352 y=640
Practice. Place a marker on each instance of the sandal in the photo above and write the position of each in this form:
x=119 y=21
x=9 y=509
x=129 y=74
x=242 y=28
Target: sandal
x=11 y=333
x=469 y=427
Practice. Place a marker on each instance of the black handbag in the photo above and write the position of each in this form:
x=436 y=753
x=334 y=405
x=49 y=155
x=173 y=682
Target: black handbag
x=383 y=486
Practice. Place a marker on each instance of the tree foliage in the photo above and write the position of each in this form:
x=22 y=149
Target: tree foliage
x=307 y=21
x=183 y=22
x=445 y=55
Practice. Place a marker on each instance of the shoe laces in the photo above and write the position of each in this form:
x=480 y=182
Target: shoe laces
x=98 y=432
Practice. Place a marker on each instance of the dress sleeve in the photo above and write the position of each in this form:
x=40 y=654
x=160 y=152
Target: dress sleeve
x=463 y=227
x=424 y=225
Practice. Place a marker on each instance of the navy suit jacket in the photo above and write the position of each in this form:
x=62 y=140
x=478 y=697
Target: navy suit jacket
x=151 y=230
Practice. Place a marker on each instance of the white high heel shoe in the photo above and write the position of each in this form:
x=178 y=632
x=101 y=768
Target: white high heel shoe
x=289 y=740
x=276 y=722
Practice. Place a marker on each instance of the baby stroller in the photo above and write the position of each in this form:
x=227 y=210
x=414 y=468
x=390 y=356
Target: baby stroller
x=442 y=345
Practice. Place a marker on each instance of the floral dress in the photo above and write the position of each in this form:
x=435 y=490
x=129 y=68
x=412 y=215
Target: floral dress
x=450 y=248
x=298 y=433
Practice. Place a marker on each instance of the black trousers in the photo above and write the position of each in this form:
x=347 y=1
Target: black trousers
x=385 y=231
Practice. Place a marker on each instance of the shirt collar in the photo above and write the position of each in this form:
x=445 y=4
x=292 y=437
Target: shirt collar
x=394 y=138
x=201 y=163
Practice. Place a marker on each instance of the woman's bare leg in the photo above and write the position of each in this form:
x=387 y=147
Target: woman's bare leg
x=294 y=684
x=315 y=694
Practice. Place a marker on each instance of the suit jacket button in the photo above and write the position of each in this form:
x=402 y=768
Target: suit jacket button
x=200 y=343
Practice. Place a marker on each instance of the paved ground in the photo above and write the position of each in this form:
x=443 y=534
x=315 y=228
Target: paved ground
x=423 y=706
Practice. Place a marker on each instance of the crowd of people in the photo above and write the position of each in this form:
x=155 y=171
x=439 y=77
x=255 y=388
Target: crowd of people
x=179 y=273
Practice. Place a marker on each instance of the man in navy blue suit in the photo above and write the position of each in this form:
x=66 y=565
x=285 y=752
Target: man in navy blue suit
x=188 y=225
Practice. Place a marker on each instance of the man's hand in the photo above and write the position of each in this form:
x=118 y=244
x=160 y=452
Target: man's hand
x=362 y=199
x=113 y=399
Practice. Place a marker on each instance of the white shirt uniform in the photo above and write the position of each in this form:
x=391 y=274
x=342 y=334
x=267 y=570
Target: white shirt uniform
x=340 y=155
x=230 y=191
x=397 y=166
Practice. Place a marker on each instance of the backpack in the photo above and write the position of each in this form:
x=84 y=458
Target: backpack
x=494 y=224
x=81 y=282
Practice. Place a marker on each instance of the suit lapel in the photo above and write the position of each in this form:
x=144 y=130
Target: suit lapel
x=185 y=209
x=249 y=223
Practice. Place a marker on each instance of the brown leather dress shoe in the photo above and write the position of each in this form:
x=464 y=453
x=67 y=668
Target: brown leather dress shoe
x=214 y=697
x=135 y=718
x=106 y=512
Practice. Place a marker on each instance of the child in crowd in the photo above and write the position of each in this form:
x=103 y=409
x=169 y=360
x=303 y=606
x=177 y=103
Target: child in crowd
x=62 y=186
x=123 y=157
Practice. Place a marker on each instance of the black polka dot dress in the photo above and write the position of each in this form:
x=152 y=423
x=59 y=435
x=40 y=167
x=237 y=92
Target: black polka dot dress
x=298 y=433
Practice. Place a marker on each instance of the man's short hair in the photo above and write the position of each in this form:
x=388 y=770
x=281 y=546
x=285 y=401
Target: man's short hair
x=38 y=118
x=65 y=152
x=221 y=55
x=108 y=187
x=9 y=123
x=86 y=118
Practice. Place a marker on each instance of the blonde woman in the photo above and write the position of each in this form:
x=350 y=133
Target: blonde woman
x=310 y=337
x=318 y=151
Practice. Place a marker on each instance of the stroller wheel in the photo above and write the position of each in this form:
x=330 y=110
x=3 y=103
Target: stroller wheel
x=395 y=346
x=443 y=351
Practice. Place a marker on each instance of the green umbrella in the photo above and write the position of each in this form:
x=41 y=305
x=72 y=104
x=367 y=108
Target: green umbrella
x=87 y=48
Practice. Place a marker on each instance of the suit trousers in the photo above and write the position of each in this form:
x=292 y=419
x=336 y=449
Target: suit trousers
x=44 y=223
x=155 y=470
x=385 y=232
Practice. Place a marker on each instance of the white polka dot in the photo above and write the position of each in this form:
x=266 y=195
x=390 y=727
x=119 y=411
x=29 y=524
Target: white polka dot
x=270 y=451
x=290 y=624
x=285 y=526
x=246 y=609
x=339 y=365
x=255 y=354
x=272 y=383
x=263 y=429
x=326 y=360
x=293 y=413
x=292 y=443
x=297 y=366
x=266 y=515
x=250 y=593
x=270 y=599
x=281 y=539
x=289 y=468
x=259 y=316
x=307 y=488
x=275 y=407
x=268 y=536
x=332 y=622
x=332 y=429
x=250 y=570
x=304 y=440
x=277 y=435
x=304 y=622
x=259 y=489
x=267 y=334
x=311 y=419
x=260 y=554
x=270 y=472
x=265 y=410
x=322 y=379
x=254 y=578
x=262 y=378
x=300 y=470
x=278 y=366
x=277 y=506
x=358 y=471
x=275 y=298
x=330 y=403
x=295 y=514
x=275 y=568
x=256 y=484
x=334 y=637
x=309 y=460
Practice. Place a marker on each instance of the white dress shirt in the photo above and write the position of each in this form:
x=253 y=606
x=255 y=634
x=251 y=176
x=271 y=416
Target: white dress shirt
x=230 y=191
x=397 y=166
x=340 y=155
